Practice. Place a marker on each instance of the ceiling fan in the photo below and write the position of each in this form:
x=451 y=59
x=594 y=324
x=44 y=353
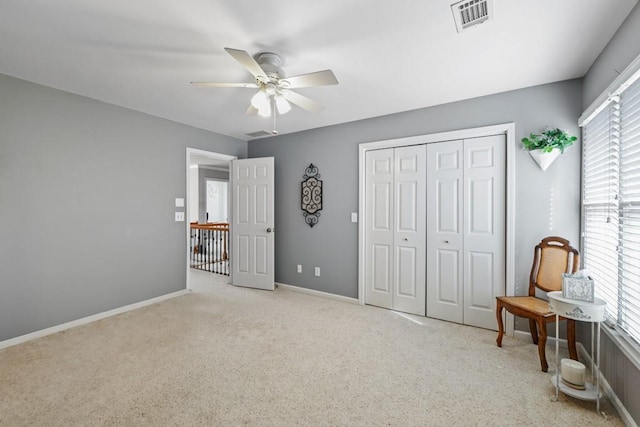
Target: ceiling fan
x=274 y=89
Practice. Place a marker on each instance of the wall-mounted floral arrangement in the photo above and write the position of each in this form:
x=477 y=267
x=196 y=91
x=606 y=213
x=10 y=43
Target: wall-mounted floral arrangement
x=545 y=147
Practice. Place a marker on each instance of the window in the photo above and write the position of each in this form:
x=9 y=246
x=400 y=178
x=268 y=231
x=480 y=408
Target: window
x=611 y=206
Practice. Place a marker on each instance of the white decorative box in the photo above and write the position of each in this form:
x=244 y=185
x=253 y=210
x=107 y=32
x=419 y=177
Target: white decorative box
x=577 y=286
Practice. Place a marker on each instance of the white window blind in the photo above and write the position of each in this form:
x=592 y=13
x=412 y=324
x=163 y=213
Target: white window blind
x=611 y=207
x=629 y=250
x=600 y=204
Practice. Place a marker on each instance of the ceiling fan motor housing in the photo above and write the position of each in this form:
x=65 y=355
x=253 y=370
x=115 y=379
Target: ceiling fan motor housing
x=271 y=63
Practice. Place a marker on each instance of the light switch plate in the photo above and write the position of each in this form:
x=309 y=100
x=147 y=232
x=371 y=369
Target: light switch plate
x=354 y=216
x=179 y=216
x=179 y=202
x=317 y=272
x=299 y=269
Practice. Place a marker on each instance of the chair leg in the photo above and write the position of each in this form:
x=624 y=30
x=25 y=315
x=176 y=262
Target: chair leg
x=500 y=325
x=542 y=345
x=571 y=339
x=534 y=330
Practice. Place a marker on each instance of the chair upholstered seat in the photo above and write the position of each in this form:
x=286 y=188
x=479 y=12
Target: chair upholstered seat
x=531 y=304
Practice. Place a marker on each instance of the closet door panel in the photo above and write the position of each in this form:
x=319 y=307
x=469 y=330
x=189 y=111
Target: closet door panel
x=444 y=231
x=446 y=270
x=409 y=230
x=479 y=198
x=447 y=198
x=479 y=270
x=406 y=268
x=381 y=269
x=379 y=249
x=484 y=228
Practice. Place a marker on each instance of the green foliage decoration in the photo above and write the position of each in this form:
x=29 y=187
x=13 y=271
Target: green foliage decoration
x=548 y=140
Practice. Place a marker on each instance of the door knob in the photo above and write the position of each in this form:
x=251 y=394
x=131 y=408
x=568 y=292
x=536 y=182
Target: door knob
x=268 y=230
x=405 y=239
x=446 y=241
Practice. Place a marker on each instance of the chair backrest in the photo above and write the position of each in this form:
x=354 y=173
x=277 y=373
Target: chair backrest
x=552 y=257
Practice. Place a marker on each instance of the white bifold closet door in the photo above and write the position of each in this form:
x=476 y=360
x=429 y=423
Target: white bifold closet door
x=396 y=228
x=466 y=229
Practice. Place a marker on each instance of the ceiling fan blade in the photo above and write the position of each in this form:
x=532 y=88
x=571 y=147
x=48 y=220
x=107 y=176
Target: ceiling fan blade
x=302 y=101
x=210 y=84
x=319 y=78
x=247 y=62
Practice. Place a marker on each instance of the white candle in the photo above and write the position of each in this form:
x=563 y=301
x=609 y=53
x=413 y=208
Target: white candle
x=572 y=371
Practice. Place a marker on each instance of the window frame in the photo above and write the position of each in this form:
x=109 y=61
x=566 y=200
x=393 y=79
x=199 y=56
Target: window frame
x=630 y=76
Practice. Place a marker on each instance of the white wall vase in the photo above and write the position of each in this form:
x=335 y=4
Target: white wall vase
x=544 y=159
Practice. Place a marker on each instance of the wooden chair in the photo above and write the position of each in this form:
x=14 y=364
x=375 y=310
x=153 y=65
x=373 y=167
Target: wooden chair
x=551 y=257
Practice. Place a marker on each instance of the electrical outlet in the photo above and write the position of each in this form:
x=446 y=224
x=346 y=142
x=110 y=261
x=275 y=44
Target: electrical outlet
x=317 y=272
x=299 y=268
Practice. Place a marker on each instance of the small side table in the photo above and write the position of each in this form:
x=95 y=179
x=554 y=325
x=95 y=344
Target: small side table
x=581 y=311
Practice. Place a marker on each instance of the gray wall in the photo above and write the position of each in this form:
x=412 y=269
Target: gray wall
x=547 y=203
x=623 y=48
x=203 y=174
x=621 y=373
x=87 y=205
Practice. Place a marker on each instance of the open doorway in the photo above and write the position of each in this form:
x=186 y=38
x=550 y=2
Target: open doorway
x=208 y=248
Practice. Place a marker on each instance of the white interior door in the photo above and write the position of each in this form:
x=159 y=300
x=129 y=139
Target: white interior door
x=379 y=197
x=445 y=231
x=252 y=230
x=466 y=195
x=395 y=227
x=484 y=228
x=410 y=230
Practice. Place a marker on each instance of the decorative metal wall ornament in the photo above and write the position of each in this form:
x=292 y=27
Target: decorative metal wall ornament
x=311 y=195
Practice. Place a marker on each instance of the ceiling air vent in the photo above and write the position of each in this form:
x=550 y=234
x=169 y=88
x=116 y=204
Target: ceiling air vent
x=261 y=133
x=468 y=13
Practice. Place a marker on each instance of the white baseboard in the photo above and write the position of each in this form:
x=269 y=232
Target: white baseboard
x=526 y=336
x=613 y=398
x=58 y=328
x=318 y=293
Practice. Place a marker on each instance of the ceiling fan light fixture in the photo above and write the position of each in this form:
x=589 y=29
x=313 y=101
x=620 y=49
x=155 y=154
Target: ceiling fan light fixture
x=260 y=100
x=282 y=104
x=265 y=110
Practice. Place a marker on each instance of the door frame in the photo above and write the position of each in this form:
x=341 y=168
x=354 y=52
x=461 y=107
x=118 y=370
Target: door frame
x=211 y=155
x=507 y=129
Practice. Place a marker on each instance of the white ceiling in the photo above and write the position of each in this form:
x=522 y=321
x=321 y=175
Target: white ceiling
x=388 y=56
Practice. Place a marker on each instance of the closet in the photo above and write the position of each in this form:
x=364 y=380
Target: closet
x=435 y=229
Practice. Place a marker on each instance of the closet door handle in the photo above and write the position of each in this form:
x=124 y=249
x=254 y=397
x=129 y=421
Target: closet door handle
x=446 y=241
x=405 y=239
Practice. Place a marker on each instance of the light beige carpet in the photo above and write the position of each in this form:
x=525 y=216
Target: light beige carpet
x=232 y=356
